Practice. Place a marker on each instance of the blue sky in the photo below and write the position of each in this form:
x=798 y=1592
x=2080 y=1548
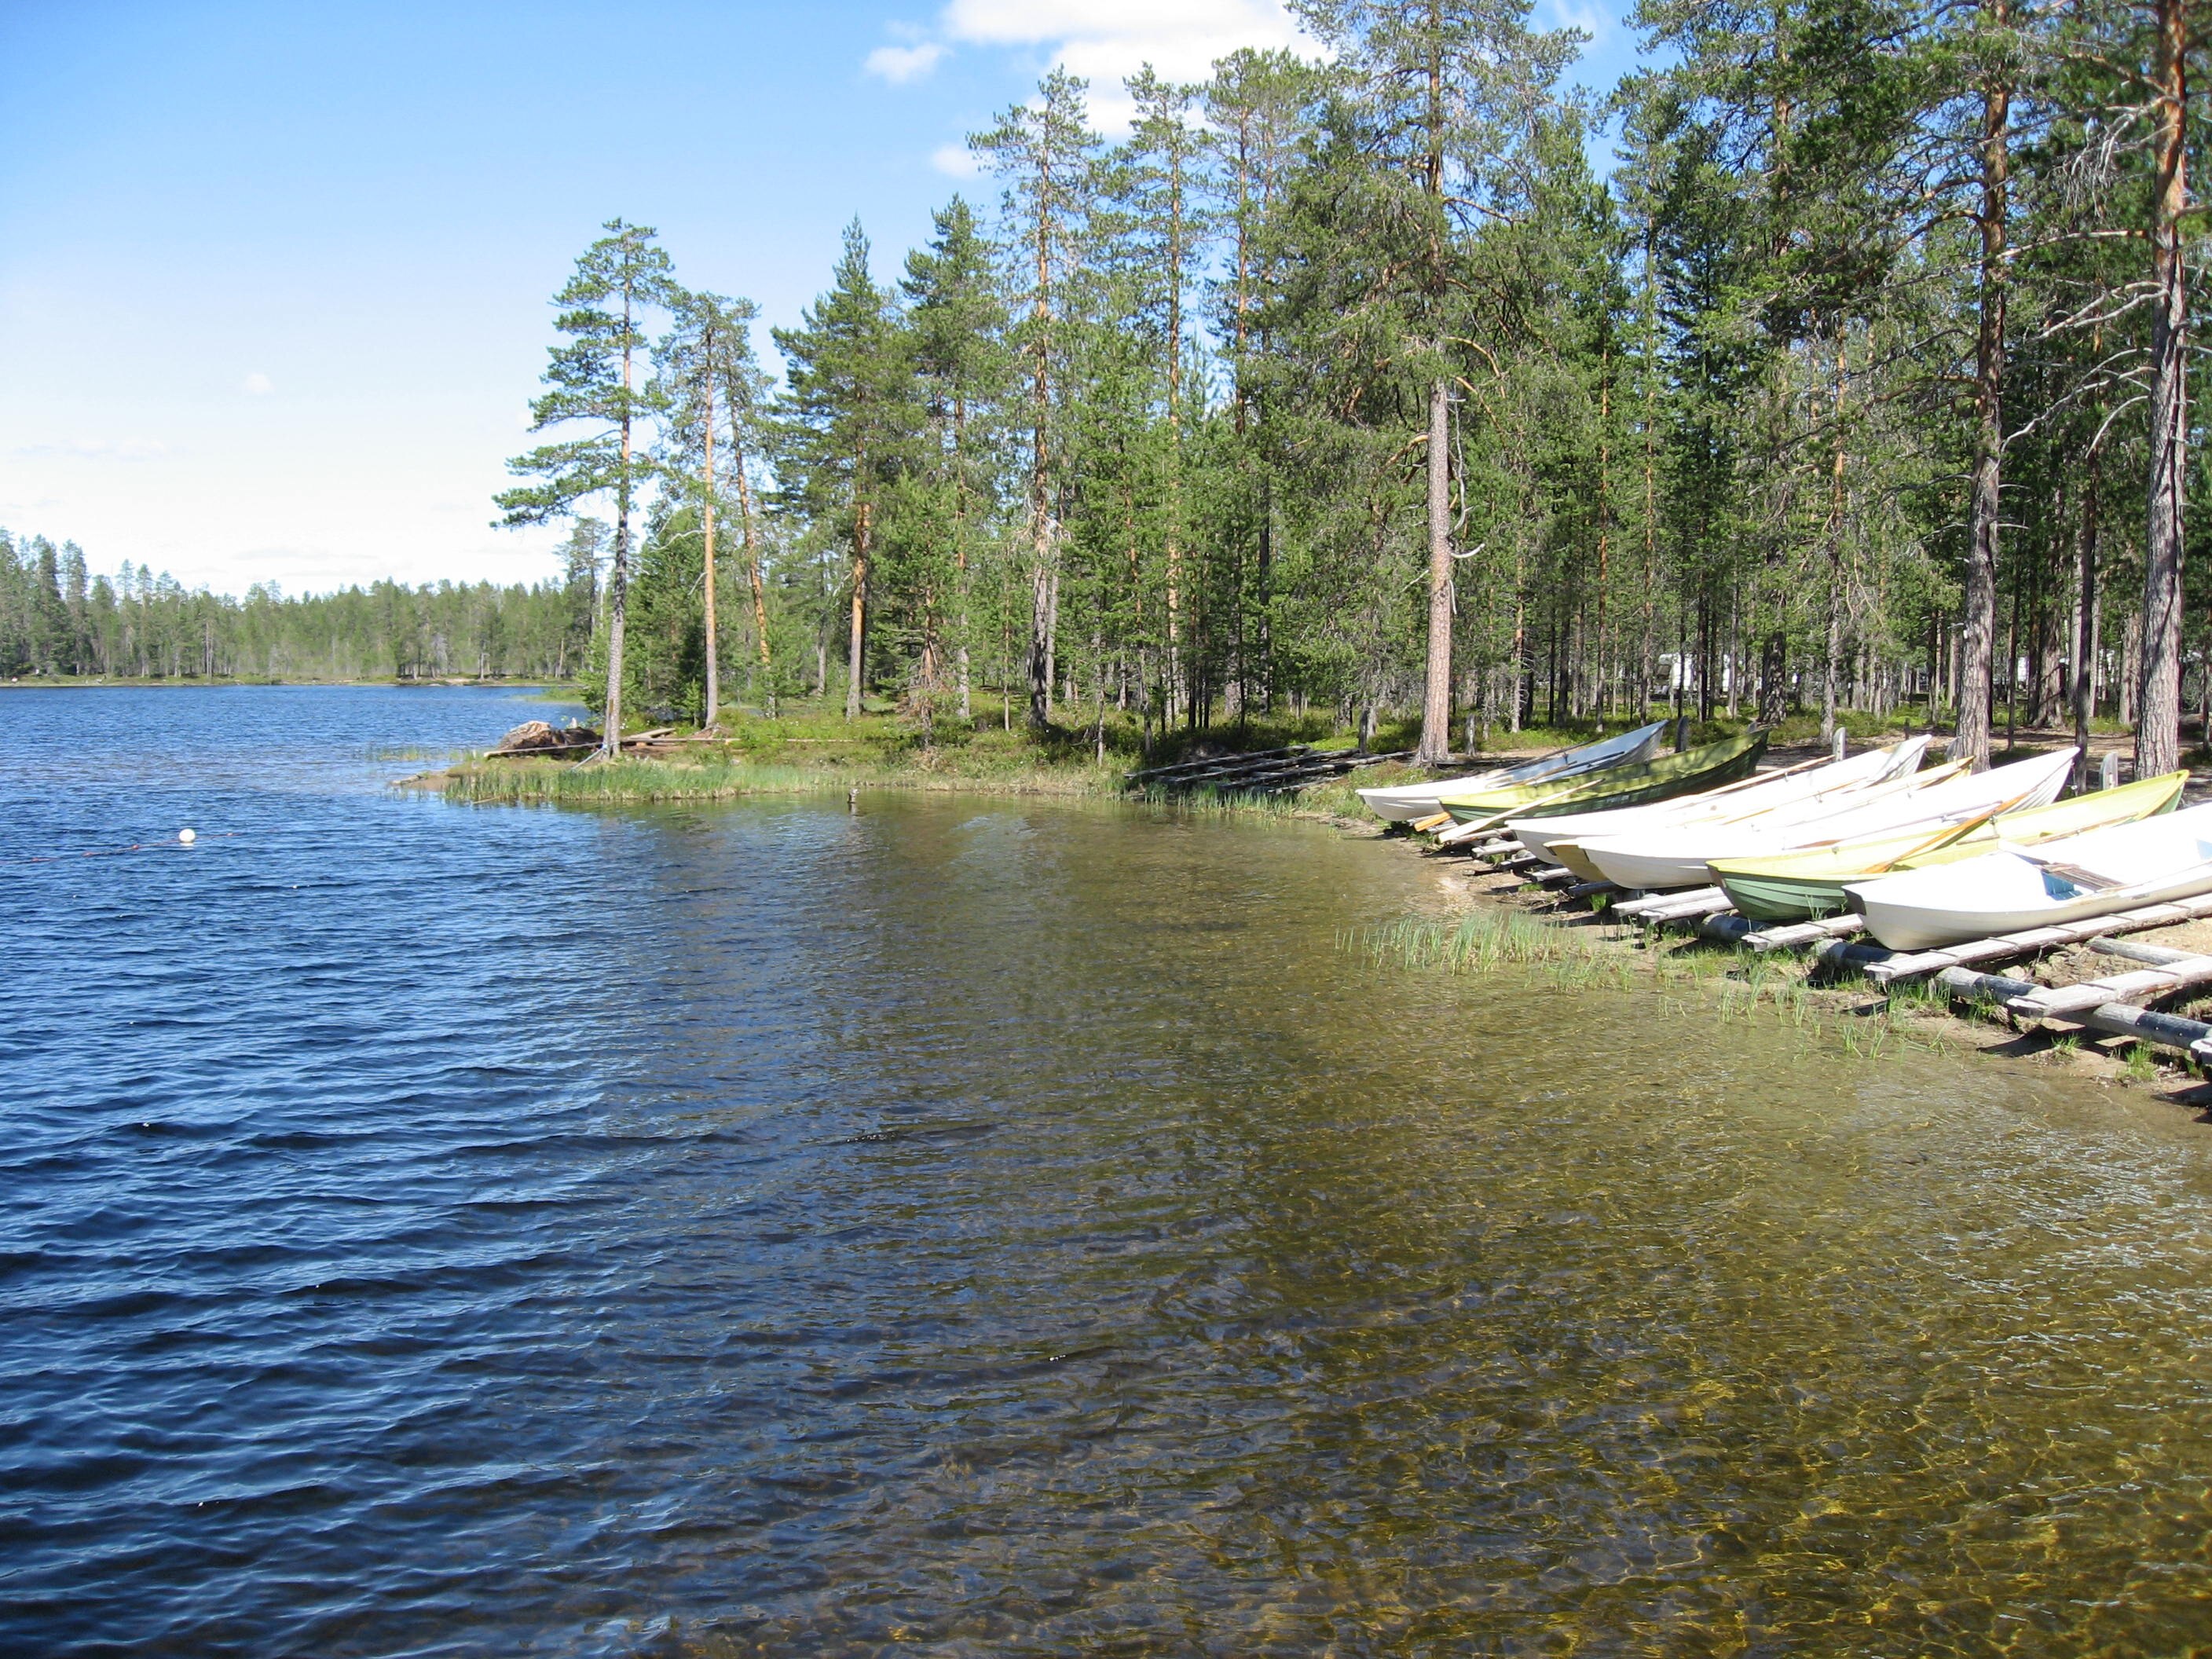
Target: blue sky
x=273 y=278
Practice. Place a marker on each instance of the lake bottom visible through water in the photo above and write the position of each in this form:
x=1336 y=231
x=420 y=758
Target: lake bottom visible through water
x=971 y=1226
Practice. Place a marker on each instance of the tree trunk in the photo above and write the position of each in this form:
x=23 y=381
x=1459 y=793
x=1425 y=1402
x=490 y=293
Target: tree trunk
x=1436 y=701
x=1041 y=538
x=1040 y=660
x=853 y=660
x=753 y=576
x=2131 y=671
x=618 y=575
x=2157 y=713
x=1975 y=685
x=1174 y=250
x=713 y=637
x=1834 y=665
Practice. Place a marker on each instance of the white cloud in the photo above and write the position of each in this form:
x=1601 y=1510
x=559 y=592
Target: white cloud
x=259 y=384
x=955 y=161
x=1590 y=19
x=1105 y=41
x=899 y=64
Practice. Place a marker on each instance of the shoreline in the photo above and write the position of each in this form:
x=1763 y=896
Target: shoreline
x=1500 y=918
x=1492 y=917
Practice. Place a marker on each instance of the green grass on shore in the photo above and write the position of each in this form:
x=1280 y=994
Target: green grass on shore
x=811 y=747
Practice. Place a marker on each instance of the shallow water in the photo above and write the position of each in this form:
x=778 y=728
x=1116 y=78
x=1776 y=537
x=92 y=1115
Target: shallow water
x=975 y=1227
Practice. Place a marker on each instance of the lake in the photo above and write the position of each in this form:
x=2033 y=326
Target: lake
x=970 y=1226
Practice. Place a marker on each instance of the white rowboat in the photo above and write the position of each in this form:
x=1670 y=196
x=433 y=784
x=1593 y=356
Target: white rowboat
x=2151 y=862
x=1401 y=803
x=1678 y=858
x=1735 y=802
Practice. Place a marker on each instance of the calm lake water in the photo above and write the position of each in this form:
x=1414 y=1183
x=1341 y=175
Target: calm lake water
x=978 y=1228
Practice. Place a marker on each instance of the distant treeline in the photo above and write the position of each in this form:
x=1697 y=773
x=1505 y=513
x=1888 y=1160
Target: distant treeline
x=58 y=618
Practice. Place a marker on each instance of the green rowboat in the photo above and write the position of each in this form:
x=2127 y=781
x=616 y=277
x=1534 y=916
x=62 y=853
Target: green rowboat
x=1662 y=779
x=1808 y=884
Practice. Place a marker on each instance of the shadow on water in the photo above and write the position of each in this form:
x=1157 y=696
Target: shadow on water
x=1013 y=1228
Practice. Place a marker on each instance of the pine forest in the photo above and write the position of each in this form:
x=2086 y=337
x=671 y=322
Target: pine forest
x=1837 y=367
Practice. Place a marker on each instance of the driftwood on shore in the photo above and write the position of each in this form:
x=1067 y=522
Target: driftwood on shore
x=535 y=739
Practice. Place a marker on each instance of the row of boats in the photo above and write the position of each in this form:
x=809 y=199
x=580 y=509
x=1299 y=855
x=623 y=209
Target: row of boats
x=1928 y=856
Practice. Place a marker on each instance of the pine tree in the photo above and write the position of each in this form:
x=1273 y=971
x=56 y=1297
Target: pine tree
x=705 y=360
x=1436 y=93
x=852 y=415
x=1044 y=155
x=594 y=380
x=956 y=321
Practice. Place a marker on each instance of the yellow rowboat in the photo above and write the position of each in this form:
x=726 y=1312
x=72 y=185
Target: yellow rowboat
x=1795 y=886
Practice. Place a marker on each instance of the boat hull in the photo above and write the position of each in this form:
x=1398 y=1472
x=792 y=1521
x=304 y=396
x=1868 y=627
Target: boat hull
x=1806 y=886
x=1629 y=785
x=1684 y=858
x=2007 y=891
x=1773 y=798
x=1403 y=803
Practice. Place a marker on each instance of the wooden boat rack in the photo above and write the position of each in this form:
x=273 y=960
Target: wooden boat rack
x=2111 y=1004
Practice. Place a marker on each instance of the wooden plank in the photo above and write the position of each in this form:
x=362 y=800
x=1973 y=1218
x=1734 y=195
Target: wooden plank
x=1699 y=902
x=2135 y=951
x=1553 y=877
x=1796 y=933
x=2143 y=985
x=1693 y=907
x=2034 y=941
x=2193 y=1038
x=1215 y=760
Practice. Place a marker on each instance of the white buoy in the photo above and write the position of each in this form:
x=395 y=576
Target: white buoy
x=187 y=836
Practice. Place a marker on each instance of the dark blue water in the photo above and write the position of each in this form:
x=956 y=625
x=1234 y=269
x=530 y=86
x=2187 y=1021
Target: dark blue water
x=968 y=1227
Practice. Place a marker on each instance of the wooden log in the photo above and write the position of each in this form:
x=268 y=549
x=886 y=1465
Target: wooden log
x=540 y=748
x=2034 y=941
x=1697 y=901
x=1553 y=877
x=2193 y=1038
x=2135 y=951
x=1590 y=889
x=2143 y=985
x=1844 y=953
x=1796 y=933
x=1640 y=903
x=1727 y=928
x=1213 y=760
x=1691 y=907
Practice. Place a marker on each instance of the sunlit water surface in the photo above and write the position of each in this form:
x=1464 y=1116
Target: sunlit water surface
x=974 y=1227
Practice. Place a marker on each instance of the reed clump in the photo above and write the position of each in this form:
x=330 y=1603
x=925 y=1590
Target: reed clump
x=1480 y=942
x=518 y=783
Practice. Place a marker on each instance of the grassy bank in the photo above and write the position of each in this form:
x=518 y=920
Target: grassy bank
x=722 y=777
x=813 y=749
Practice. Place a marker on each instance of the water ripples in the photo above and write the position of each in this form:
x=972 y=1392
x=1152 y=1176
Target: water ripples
x=974 y=1228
